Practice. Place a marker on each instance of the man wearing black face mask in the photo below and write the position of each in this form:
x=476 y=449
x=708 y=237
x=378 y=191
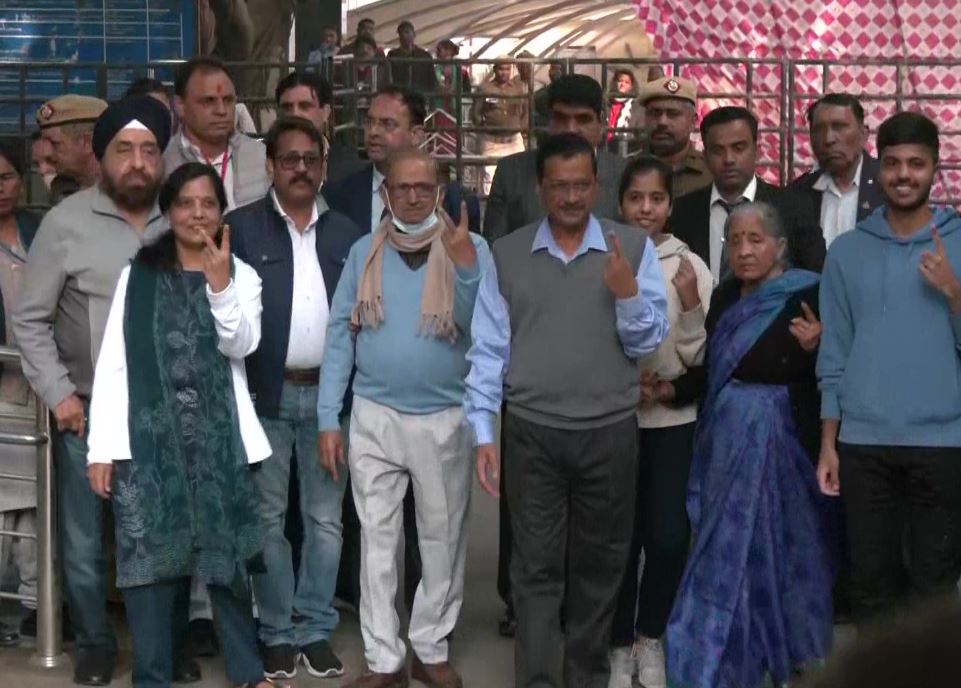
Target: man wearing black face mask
x=298 y=247
x=402 y=316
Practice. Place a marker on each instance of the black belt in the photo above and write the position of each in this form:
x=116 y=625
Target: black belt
x=302 y=377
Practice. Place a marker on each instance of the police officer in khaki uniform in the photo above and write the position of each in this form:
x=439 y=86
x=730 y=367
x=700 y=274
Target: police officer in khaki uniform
x=506 y=117
x=670 y=105
x=66 y=123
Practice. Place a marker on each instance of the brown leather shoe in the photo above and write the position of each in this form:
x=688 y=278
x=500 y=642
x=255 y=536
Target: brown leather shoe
x=440 y=675
x=374 y=680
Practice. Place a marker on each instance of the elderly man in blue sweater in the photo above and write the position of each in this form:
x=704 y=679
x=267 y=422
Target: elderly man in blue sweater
x=401 y=314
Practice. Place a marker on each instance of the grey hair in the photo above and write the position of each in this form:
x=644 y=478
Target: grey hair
x=770 y=221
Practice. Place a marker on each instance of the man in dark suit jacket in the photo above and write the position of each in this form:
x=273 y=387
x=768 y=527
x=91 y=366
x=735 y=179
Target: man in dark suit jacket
x=730 y=152
x=394 y=121
x=298 y=246
x=576 y=103
x=843 y=190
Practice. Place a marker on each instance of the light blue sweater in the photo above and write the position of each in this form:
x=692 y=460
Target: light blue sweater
x=396 y=367
x=889 y=365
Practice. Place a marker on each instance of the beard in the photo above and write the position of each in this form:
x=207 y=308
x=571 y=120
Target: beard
x=128 y=195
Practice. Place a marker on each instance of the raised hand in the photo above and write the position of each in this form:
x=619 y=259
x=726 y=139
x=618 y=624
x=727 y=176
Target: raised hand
x=457 y=239
x=806 y=329
x=937 y=272
x=618 y=275
x=685 y=282
x=216 y=261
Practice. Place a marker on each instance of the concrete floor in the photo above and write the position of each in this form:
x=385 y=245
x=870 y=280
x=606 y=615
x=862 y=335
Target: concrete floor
x=484 y=659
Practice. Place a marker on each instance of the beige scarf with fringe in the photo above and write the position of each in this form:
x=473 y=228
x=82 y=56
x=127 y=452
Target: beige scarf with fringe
x=437 y=299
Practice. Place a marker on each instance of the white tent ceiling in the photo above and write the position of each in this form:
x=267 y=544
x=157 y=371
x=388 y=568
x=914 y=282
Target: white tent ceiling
x=543 y=27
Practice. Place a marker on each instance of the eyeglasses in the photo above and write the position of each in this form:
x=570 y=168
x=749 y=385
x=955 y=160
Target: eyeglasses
x=290 y=161
x=422 y=190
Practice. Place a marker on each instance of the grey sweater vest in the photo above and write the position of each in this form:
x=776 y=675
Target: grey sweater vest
x=567 y=366
x=248 y=159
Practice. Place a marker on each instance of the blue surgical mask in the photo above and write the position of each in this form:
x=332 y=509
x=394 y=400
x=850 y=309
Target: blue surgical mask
x=414 y=228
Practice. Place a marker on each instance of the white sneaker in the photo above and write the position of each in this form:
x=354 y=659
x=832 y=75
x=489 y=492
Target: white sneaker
x=622 y=668
x=649 y=655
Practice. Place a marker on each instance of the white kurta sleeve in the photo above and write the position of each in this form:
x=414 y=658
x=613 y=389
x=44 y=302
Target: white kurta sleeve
x=109 y=438
x=237 y=311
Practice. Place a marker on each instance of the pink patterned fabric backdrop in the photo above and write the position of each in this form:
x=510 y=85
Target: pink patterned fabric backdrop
x=835 y=31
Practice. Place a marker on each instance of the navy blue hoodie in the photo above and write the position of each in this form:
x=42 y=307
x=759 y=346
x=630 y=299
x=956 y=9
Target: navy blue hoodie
x=889 y=364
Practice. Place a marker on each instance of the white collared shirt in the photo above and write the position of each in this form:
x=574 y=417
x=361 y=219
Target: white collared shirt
x=218 y=165
x=309 y=310
x=718 y=218
x=839 y=209
x=376 y=201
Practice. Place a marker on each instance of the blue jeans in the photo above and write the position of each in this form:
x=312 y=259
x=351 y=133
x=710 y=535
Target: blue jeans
x=310 y=598
x=81 y=528
x=153 y=611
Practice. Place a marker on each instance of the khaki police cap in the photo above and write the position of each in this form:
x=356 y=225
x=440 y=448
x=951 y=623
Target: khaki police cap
x=669 y=87
x=69 y=109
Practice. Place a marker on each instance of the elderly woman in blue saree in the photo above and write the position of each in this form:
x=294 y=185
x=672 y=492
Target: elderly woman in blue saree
x=755 y=599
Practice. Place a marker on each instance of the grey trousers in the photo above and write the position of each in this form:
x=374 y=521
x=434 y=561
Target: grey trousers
x=387 y=451
x=571 y=495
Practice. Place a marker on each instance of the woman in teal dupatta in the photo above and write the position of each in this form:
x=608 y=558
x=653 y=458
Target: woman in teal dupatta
x=170 y=373
x=755 y=599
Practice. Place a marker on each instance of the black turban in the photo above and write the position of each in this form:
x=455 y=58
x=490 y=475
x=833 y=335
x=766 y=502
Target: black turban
x=146 y=110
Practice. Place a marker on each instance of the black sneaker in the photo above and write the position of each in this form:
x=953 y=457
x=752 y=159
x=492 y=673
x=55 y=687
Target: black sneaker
x=280 y=661
x=94 y=668
x=321 y=661
x=202 y=639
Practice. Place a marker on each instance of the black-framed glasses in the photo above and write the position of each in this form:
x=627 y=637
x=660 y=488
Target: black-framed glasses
x=290 y=161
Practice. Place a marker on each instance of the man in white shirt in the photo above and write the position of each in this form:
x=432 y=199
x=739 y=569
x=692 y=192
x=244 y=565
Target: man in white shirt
x=298 y=246
x=843 y=189
x=205 y=101
x=730 y=153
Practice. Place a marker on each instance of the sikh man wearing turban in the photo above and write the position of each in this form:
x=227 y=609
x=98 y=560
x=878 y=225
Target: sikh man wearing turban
x=68 y=283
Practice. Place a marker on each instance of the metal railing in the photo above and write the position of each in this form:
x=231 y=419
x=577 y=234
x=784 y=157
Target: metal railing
x=769 y=87
x=49 y=651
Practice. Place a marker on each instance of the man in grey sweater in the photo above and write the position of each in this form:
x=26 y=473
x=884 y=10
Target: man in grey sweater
x=567 y=307
x=65 y=294
x=205 y=100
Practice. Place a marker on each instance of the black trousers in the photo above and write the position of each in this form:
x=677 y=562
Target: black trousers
x=889 y=492
x=571 y=495
x=661 y=530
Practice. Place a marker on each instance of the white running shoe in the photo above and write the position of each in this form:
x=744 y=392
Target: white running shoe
x=649 y=655
x=622 y=668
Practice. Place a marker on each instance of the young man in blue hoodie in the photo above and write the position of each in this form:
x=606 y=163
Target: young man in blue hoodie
x=890 y=376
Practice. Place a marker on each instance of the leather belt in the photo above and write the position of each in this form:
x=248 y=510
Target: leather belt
x=302 y=377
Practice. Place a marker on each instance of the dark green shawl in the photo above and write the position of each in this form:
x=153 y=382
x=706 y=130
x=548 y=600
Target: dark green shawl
x=186 y=504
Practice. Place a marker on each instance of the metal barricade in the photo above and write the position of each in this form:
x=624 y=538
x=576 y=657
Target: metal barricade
x=49 y=652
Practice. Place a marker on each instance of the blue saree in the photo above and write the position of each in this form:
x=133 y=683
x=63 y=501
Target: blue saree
x=755 y=599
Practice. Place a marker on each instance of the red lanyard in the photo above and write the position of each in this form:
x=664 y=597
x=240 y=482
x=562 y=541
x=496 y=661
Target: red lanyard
x=223 y=165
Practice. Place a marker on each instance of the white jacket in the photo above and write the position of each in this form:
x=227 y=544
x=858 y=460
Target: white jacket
x=686 y=339
x=236 y=312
